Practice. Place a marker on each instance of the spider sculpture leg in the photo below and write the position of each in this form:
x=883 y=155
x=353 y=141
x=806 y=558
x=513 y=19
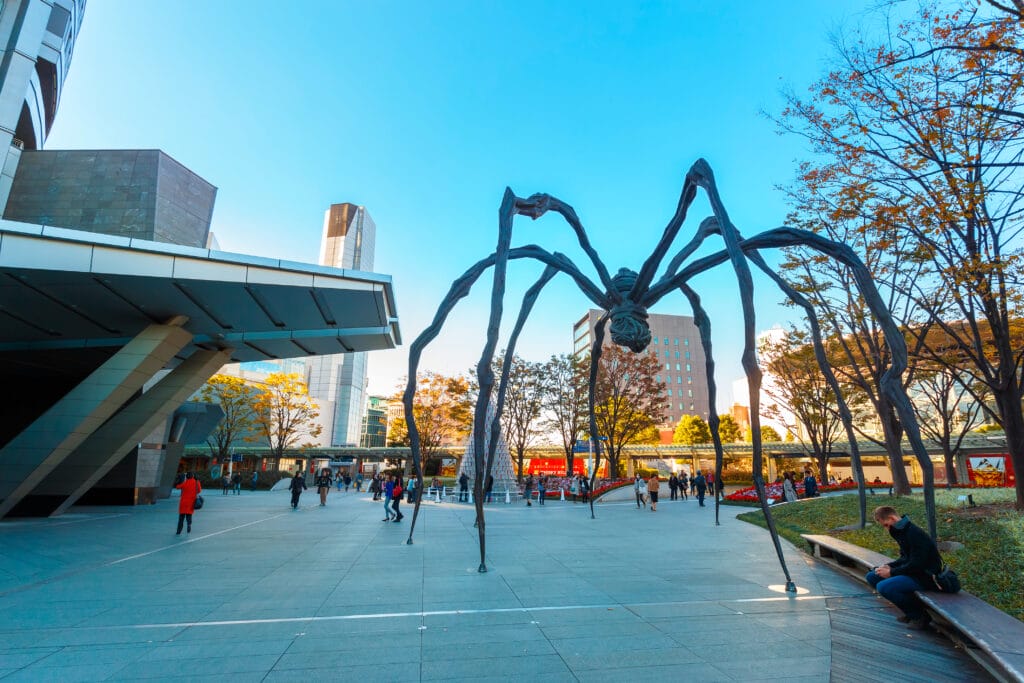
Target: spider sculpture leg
x=595 y=443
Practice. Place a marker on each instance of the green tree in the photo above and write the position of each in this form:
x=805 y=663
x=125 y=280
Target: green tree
x=728 y=429
x=236 y=399
x=692 y=430
x=285 y=414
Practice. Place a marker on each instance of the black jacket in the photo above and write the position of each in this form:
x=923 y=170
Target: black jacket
x=919 y=557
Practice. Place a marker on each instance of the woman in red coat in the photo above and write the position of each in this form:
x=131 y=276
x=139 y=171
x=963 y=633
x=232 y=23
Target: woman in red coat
x=190 y=488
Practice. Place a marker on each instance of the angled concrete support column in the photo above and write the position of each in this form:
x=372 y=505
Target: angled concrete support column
x=35 y=453
x=88 y=463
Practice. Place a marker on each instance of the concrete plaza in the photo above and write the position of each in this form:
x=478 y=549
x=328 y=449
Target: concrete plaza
x=260 y=592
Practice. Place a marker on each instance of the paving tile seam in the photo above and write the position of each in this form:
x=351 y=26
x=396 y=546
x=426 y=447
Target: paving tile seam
x=422 y=614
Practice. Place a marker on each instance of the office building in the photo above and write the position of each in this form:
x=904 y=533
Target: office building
x=338 y=382
x=113 y=311
x=375 y=423
x=676 y=345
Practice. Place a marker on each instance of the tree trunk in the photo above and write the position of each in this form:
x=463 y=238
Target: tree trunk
x=569 y=462
x=893 y=434
x=949 y=459
x=1008 y=403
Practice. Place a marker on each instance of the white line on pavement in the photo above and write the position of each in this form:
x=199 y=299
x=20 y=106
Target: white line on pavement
x=192 y=540
x=496 y=610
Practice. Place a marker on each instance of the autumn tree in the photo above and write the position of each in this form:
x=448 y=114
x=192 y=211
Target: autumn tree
x=443 y=411
x=236 y=399
x=920 y=144
x=798 y=388
x=946 y=411
x=564 y=381
x=728 y=429
x=628 y=399
x=524 y=395
x=284 y=413
x=691 y=430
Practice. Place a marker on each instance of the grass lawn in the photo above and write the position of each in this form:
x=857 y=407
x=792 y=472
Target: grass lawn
x=990 y=565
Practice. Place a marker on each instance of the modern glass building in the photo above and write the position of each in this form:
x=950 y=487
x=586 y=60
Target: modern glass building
x=338 y=382
x=375 y=423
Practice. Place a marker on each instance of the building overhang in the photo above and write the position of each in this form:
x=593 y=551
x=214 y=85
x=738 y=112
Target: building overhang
x=66 y=289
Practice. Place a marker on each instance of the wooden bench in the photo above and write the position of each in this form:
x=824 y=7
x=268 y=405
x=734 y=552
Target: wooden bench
x=989 y=635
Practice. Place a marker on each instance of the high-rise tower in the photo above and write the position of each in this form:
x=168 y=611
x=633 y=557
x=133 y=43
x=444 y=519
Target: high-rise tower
x=338 y=383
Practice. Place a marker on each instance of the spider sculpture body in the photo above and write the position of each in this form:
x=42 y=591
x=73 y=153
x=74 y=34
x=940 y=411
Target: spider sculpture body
x=625 y=299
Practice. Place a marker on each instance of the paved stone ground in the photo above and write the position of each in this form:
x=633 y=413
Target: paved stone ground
x=260 y=592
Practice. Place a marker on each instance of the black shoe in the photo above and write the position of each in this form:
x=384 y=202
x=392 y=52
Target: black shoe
x=919 y=624
x=396 y=521
x=189 y=530
x=179 y=533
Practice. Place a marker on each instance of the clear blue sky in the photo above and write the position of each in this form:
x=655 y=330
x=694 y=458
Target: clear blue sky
x=425 y=112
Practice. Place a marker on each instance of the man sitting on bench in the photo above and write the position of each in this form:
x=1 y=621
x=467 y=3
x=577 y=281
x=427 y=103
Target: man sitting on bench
x=919 y=559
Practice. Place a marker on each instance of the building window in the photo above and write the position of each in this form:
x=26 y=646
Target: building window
x=675 y=342
x=691 y=406
x=689 y=380
x=655 y=340
x=689 y=393
x=666 y=366
x=657 y=378
x=687 y=355
x=686 y=342
x=680 y=406
x=666 y=341
x=677 y=354
x=669 y=392
x=677 y=367
x=688 y=367
x=679 y=380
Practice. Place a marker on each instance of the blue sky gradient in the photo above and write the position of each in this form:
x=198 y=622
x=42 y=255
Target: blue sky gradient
x=425 y=112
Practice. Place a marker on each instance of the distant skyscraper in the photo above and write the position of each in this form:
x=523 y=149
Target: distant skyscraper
x=338 y=383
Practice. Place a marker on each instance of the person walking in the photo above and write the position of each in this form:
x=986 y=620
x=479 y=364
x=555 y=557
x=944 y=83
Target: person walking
x=389 y=488
x=637 y=483
x=528 y=489
x=673 y=486
x=339 y=480
x=225 y=484
x=919 y=560
x=788 y=488
x=255 y=479
x=810 y=484
x=542 y=490
x=347 y=478
x=359 y=482
x=375 y=486
x=684 y=483
x=297 y=486
x=700 y=485
x=574 y=488
x=323 y=485
x=585 y=488
x=463 y=488
x=653 y=485
x=236 y=483
x=190 y=489
x=396 y=498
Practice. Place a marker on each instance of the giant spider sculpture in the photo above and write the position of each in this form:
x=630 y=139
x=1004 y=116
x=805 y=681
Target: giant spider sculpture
x=625 y=299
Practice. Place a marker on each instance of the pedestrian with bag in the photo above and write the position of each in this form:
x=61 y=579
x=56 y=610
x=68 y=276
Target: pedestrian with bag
x=542 y=490
x=653 y=486
x=396 y=498
x=700 y=485
x=388 y=490
x=914 y=570
x=190 y=490
x=297 y=486
x=323 y=485
x=528 y=489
